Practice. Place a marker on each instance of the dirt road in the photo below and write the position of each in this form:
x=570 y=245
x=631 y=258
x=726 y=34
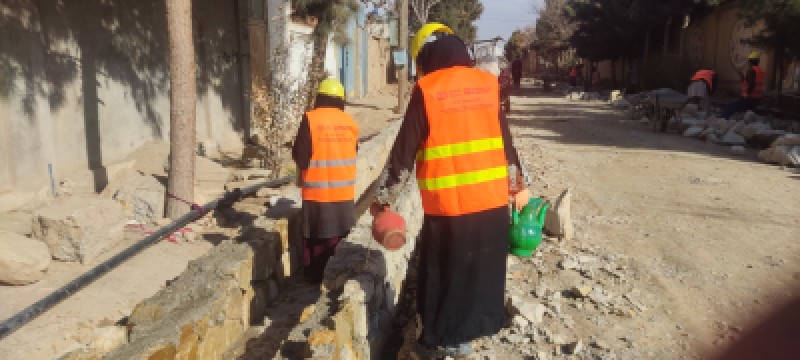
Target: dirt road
x=710 y=241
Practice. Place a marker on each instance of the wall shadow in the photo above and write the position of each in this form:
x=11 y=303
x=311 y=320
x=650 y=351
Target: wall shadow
x=93 y=55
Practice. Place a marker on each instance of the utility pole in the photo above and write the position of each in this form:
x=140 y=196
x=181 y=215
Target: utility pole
x=180 y=184
x=402 y=78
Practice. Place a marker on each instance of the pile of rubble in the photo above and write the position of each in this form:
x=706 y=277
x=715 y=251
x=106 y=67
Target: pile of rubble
x=751 y=130
x=554 y=297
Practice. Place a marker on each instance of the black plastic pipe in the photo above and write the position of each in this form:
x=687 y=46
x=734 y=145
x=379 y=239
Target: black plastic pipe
x=31 y=312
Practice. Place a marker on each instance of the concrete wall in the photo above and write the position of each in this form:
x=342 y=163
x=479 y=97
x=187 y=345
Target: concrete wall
x=378 y=52
x=84 y=85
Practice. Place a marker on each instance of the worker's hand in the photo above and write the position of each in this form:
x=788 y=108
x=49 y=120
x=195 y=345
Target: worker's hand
x=376 y=208
x=522 y=198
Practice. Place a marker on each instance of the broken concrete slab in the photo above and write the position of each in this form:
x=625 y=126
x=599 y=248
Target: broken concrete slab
x=79 y=229
x=693 y=131
x=18 y=222
x=530 y=310
x=750 y=130
x=787 y=140
x=558 y=221
x=782 y=155
x=22 y=260
x=142 y=197
x=732 y=138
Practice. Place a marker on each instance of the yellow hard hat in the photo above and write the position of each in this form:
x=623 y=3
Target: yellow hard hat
x=331 y=87
x=753 y=55
x=426 y=30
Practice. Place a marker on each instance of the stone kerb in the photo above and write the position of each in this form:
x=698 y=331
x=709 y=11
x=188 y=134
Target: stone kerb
x=208 y=308
x=370 y=278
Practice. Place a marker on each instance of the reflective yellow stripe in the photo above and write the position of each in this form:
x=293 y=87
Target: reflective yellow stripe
x=467 y=147
x=469 y=178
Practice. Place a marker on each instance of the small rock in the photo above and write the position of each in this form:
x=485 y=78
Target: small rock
x=532 y=311
x=107 y=338
x=520 y=322
x=557 y=339
x=600 y=344
x=542 y=355
x=568 y=264
x=580 y=291
x=598 y=297
x=516 y=339
x=22 y=260
x=737 y=149
x=574 y=347
x=556 y=308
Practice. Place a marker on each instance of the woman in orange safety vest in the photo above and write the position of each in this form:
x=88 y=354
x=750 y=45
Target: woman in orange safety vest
x=325 y=153
x=458 y=140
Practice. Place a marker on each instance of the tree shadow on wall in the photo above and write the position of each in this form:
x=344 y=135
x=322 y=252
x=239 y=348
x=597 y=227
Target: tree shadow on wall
x=83 y=53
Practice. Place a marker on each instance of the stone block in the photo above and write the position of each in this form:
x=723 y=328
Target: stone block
x=693 y=131
x=750 y=130
x=142 y=197
x=22 y=260
x=200 y=315
x=558 y=221
x=79 y=229
x=532 y=311
x=17 y=222
x=787 y=140
x=732 y=138
x=106 y=338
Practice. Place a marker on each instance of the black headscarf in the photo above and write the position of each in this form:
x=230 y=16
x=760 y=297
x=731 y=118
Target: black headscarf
x=329 y=101
x=447 y=51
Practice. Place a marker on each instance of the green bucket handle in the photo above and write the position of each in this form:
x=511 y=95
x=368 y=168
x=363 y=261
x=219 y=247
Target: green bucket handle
x=534 y=204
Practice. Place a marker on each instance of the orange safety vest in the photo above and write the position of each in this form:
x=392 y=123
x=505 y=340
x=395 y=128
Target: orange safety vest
x=461 y=167
x=331 y=174
x=705 y=75
x=759 y=88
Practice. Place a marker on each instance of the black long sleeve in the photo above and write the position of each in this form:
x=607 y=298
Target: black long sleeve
x=413 y=131
x=301 y=149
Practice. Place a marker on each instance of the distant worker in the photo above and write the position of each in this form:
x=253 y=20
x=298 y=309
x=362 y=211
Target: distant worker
x=460 y=142
x=595 y=77
x=516 y=71
x=752 y=89
x=573 y=76
x=325 y=153
x=701 y=88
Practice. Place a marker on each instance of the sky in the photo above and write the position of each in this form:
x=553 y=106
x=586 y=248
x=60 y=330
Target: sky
x=502 y=17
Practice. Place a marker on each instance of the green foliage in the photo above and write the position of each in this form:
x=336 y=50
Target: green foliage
x=459 y=15
x=519 y=42
x=781 y=19
x=611 y=29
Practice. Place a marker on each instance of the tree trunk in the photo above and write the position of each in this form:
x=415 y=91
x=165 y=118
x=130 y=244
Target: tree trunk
x=182 y=107
x=402 y=77
x=317 y=69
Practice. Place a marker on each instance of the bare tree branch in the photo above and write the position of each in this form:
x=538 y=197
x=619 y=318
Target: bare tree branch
x=422 y=8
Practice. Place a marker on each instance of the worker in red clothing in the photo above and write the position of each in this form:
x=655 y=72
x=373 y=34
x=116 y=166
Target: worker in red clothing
x=459 y=141
x=752 y=88
x=702 y=87
x=325 y=153
x=573 y=76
